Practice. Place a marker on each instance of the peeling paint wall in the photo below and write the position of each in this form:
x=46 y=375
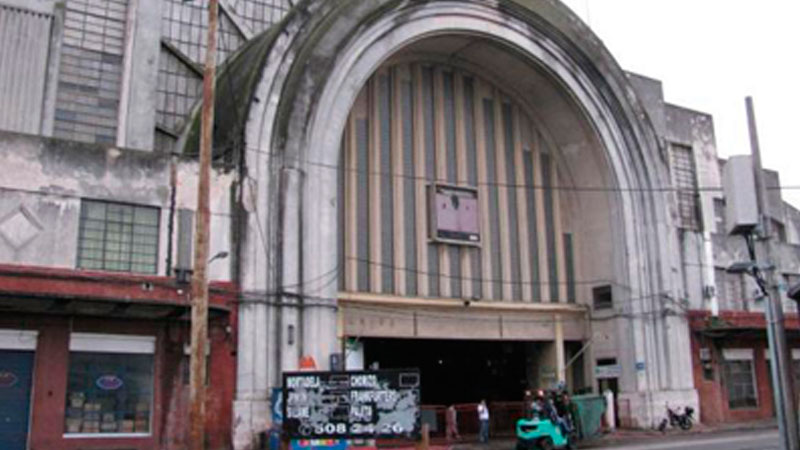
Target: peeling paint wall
x=45 y=180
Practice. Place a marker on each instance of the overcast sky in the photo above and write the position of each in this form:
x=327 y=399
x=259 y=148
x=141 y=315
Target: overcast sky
x=710 y=54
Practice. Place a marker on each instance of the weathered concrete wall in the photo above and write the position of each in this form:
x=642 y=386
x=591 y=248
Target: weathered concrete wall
x=308 y=81
x=651 y=95
x=695 y=130
x=46 y=179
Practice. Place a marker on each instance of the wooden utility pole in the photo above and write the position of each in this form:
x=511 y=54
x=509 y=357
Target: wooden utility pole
x=197 y=379
x=776 y=332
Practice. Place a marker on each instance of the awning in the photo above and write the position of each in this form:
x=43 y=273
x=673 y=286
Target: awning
x=38 y=290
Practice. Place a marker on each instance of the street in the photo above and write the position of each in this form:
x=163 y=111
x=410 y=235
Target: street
x=761 y=439
x=749 y=440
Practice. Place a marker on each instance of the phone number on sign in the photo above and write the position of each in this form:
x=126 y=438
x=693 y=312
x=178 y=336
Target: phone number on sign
x=354 y=429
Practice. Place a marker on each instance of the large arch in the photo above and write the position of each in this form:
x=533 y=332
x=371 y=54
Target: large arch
x=308 y=73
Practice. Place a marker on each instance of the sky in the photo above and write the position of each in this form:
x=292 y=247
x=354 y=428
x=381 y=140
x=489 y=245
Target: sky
x=710 y=55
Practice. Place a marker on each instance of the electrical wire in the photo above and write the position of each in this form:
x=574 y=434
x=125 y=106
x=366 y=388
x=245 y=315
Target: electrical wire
x=280 y=158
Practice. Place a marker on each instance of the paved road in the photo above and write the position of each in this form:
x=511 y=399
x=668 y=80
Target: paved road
x=748 y=440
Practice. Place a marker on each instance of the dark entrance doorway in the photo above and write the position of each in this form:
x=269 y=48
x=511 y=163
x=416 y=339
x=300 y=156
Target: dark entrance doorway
x=16 y=368
x=457 y=371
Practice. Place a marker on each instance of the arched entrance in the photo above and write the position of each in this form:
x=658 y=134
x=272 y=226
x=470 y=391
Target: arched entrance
x=457 y=245
x=310 y=72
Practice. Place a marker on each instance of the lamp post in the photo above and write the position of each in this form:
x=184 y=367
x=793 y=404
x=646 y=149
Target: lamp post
x=768 y=282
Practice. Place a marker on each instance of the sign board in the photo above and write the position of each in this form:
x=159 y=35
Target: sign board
x=640 y=365
x=362 y=404
x=454 y=214
x=608 y=371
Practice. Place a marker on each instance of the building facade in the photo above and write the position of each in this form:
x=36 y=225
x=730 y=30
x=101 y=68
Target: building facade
x=473 y=188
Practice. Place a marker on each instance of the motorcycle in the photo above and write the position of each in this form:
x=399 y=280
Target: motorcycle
x=675 y=419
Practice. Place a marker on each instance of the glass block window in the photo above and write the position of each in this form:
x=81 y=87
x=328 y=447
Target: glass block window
x=90 y=70
x=118 y=237
x=260 y=14
x=179 y=88
x=109 y=384
x=684 y=176
x=740 y=378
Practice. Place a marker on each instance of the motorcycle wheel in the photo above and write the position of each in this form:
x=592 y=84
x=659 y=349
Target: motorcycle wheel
x=686 y=424
x=546 y=443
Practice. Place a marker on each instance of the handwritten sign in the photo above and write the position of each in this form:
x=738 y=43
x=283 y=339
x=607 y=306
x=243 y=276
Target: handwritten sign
x=364 y=404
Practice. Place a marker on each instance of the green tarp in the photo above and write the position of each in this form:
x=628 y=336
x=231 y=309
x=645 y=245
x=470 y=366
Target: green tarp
x=590 y=410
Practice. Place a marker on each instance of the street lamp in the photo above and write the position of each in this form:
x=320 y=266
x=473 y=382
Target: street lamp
x=794 y=292
x=741 y=267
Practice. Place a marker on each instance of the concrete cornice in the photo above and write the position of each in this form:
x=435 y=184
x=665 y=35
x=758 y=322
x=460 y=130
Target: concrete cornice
x=362 y=298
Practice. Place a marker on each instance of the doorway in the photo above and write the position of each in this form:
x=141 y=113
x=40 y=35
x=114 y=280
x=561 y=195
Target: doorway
x=16 y=370
x=457 y=371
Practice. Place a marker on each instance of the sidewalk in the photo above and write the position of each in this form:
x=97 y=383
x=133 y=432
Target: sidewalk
x=624 y=436
x=629 y=436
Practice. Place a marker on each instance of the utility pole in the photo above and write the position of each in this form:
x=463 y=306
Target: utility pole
x=776 y=332
x=199 y=333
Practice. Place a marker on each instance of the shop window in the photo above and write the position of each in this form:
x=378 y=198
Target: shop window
x=740 y=378
x=118 y=237
x=109 y=384
x=602 y=298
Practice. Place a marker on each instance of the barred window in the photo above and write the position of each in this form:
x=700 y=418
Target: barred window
x=118 y=237
x=684 y=175
x=740 y=378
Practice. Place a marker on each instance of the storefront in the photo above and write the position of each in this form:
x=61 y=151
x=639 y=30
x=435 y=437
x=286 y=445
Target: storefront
x=91 y=360
x=731 y=365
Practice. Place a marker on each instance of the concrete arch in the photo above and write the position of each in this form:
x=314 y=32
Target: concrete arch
x=318 y=60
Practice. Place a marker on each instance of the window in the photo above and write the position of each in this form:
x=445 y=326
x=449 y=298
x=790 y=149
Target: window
x=109 y=384
x=90 y=72
x=789 y=305
x=739 y=378
x=118 y=237
x=778 y=230
x=730 y=290
x=719 y=216
x=602 y=297
x=684 y=175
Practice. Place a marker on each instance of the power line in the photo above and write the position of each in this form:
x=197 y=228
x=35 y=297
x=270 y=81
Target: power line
x=276 y=158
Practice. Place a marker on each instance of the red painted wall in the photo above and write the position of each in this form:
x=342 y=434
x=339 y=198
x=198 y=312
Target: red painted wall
x=713 y=393
x=171 y=392
x=733 y=329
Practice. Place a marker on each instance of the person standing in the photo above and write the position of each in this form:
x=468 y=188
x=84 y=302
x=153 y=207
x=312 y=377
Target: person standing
x=451 y=419
x=483 y=417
